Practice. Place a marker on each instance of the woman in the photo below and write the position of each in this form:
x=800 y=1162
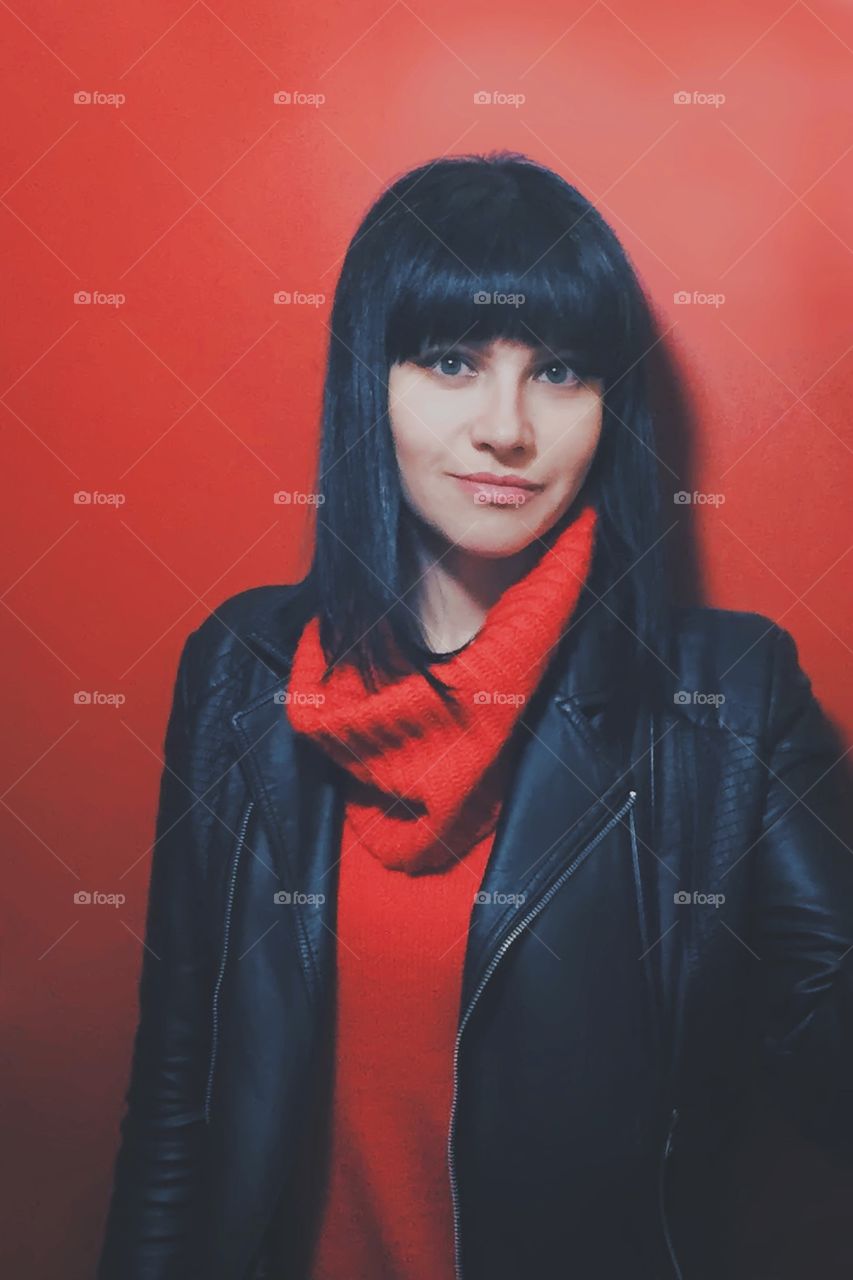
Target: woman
x=487 y=883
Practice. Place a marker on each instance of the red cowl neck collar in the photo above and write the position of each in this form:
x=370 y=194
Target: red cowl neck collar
x=426 y=781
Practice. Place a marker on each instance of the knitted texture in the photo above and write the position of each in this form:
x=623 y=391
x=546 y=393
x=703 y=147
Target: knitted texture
x=425 y=778
x=386 y=1211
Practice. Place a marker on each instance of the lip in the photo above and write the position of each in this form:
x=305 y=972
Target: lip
x=498 y=491
x=488 y=477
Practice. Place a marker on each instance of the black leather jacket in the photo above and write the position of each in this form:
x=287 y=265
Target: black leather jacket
x=679 y=924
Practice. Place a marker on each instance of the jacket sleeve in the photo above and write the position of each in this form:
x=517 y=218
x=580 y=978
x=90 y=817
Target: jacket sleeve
x=155 y=1194
x=805 y=909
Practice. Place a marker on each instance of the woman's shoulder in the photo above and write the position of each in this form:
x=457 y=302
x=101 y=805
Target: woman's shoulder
x=255 y=626
x=736 y=668
x=725 y=635
x=268 y=610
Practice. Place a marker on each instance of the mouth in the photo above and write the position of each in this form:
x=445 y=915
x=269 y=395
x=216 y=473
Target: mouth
x=502 y=491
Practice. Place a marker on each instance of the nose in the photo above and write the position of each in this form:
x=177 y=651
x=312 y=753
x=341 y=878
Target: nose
x=502 y=422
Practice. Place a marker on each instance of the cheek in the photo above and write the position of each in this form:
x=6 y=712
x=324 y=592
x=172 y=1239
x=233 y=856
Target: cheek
x=416 y=448
x=574 y=438
x=421 y=419
x=403 y=416
x=414 y=439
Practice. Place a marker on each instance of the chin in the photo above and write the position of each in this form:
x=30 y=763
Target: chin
x=494 y=544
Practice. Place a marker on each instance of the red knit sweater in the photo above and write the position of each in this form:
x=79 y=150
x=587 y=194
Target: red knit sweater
x=387 y=1214
x=401 y=938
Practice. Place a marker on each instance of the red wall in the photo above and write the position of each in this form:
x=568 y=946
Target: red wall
x=196 y=398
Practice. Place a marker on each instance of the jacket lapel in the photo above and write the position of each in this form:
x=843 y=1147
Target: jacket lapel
x=567 y=781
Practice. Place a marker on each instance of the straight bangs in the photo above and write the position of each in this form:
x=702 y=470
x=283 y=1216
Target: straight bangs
x=504 y=274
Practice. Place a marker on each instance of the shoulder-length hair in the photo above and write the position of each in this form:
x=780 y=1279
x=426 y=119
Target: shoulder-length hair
x=435 y=244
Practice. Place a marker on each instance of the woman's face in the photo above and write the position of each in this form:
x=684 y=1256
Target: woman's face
x=503 y=409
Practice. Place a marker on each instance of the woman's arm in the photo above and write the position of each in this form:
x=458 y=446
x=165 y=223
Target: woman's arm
x=805 y=908
x=150 y=1225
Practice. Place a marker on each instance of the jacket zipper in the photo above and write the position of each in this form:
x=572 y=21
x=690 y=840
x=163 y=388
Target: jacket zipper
x=493 y=963
x=665 y=1154
x=224 y=958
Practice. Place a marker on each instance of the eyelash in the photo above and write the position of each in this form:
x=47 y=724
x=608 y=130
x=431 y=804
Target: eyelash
x=431 y=359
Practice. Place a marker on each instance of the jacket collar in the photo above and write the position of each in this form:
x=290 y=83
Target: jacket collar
x=569 y=779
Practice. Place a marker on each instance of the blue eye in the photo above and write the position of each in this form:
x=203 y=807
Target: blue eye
x=563 y=372
x=450 y=359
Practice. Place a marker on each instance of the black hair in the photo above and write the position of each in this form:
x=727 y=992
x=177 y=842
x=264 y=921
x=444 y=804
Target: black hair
x=441 y=235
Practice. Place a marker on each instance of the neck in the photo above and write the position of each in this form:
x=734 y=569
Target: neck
x=457 y=589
